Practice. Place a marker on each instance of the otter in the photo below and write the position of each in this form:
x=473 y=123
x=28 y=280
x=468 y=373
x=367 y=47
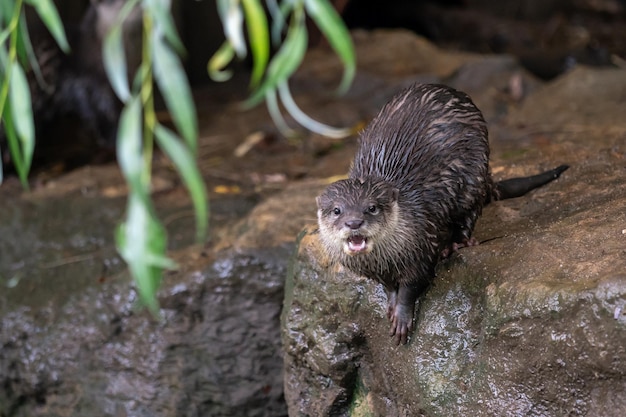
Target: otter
x=418 y=183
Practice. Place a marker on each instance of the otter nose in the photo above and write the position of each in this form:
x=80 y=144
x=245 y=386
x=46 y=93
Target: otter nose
x=354 y=224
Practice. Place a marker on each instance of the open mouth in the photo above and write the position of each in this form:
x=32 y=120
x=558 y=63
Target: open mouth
x=357 y=243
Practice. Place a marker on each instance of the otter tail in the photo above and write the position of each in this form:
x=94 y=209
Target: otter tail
x=517 y=187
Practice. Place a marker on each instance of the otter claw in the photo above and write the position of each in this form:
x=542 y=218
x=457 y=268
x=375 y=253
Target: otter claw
x=401 y=324
x=455 y=246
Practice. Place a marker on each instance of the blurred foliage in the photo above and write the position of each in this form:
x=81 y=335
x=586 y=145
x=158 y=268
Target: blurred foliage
x=16 y=54
x=290 y=39
x=141 y=238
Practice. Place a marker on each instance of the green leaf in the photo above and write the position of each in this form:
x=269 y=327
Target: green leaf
x=231 y=16
x=129 y=149
x=115 y=62
x=172 y=81
x=278 y=17
x=271 y=101
x=141 y=240
x=4 y=35
x=218 y=62
x=114 y=53
x=184 y=162
x=4 y=59
x=259 y=38
x=284 y=63
x=19 y=97
x=5 y=12
x=23 y=40
x=32 y=58
x=20 y=163
x=50 y=17
x=330 y=23
x=160 y=12
x=306 y=121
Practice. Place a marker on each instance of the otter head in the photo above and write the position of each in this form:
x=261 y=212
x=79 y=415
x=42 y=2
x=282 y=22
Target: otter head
x=355 y=215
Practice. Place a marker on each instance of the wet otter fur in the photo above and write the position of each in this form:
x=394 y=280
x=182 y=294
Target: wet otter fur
x=417 y=185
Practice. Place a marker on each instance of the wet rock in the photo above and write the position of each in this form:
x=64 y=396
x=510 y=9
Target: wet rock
x=530 y=322
x=521 y=325
x=73 y=340
x=214 y=352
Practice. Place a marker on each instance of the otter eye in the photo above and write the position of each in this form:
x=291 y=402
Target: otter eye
x=336 y=211
x=372 y=209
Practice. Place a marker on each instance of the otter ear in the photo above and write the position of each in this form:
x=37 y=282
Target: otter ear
x=395 y=193
x=321 y=201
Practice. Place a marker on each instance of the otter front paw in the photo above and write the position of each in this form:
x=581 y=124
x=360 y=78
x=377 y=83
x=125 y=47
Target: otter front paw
x=455 y=246
x=401 y=323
